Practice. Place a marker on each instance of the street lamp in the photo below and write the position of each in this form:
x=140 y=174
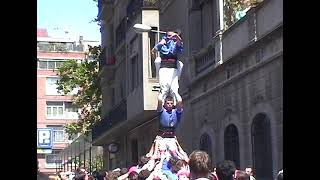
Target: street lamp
x=140 y=28
x=90 y=162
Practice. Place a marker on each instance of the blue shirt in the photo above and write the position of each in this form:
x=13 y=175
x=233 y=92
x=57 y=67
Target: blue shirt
x=170 y=118
x=170 y=49
x=166 y=170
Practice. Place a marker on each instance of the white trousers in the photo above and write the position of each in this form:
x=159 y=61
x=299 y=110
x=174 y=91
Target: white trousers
x=169 y=80
x=157 y=63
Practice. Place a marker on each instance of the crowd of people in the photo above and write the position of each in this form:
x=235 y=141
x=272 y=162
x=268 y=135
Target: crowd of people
x=198 y=167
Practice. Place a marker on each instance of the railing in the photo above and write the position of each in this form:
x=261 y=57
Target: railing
x=59 y=47
x=116 y=115
x=203 y=61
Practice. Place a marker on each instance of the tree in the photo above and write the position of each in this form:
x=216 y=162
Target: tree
x=85 y=76
x=232 y=6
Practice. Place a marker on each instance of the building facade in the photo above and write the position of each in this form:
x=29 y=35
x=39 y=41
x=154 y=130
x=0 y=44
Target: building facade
x=54 y=109
x=231 y=82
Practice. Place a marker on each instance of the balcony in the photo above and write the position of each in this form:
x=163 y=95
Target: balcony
x=203 y=61
x=208 y=57
x=107 y=64
x=59 y=47
x=115 y=116
x=258 y=22
x=135 y=7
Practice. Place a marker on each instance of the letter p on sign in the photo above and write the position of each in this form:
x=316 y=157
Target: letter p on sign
x=44 y=138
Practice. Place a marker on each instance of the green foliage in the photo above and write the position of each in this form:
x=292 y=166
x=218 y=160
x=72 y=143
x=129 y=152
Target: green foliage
x=97 y=163
x=85 y=76
x=233 y=6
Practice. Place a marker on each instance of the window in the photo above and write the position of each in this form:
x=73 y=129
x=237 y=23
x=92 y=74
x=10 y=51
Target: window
x=231 y=144
x=70 y=110
x=261 y=146
x=51 y=86
x=54 y=109
x=58 y=133
x=49 y=64
x=205 y=144
x=63 y=110
x=53 y=160
x=112 y=160
x=43 y=46
x=153 y=38
x=42 y=64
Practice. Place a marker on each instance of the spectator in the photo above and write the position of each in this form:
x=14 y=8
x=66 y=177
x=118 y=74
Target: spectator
x=249 y=171
x=225 y=170
x=200 y=165
x=241 y=175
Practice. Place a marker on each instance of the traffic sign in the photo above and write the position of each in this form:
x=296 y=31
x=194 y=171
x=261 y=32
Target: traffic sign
x=44 y=137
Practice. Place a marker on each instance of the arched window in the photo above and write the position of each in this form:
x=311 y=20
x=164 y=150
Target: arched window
x=205 y=144
x=261 y=147
x=231 y=144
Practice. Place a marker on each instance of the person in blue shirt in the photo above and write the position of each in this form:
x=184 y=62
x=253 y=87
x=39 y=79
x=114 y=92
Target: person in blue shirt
x=169 y=120
x=170 y=169
x=170 y=48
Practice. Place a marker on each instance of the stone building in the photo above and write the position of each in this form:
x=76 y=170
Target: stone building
x=231 y=83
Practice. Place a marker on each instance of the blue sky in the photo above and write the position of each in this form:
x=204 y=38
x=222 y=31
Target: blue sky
x=74 y=15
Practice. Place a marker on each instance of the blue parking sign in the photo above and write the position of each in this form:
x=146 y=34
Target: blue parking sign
x=44 y=137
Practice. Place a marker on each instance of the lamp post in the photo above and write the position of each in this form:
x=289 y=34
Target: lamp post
x=71 y=156
x=69 y=161
x=79 y=156
x=90 y=162
x=84 y=153
x=64 y=159
x=140 y=28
